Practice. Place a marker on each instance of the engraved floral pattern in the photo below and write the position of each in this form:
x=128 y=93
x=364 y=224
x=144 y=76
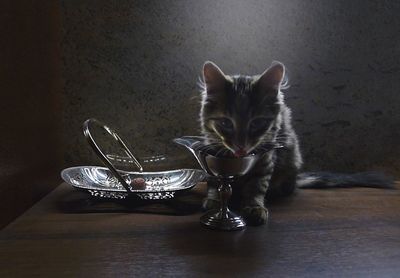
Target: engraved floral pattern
x=156 y=196
x=99 y=182
x=108 y=194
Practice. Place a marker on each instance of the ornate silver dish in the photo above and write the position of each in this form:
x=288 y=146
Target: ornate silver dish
x=115 y=183
x=100 y=182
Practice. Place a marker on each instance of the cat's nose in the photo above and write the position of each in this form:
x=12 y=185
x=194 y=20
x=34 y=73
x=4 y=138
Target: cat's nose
x=240 y=146
x=241 y=152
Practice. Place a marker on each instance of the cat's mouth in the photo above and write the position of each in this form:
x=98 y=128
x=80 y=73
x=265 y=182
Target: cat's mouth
x=240 y=153
x=222 y=149
x=262 y=148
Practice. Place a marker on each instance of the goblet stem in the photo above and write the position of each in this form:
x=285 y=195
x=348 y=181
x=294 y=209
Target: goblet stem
x=225 y=193
x=223 y=218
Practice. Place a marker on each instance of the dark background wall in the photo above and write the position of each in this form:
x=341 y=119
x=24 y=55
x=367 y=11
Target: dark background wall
x=135 y=64
x=30 y=111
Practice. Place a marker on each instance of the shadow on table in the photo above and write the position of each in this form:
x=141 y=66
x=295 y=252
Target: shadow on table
x=253 y=251
x=80 y=202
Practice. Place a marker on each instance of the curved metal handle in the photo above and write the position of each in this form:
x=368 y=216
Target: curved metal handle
x=192 y=143
x=86 y=131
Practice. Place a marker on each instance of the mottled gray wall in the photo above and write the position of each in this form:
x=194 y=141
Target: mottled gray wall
x=135 y=64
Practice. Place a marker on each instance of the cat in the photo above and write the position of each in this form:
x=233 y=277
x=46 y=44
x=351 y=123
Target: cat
x=245 y=114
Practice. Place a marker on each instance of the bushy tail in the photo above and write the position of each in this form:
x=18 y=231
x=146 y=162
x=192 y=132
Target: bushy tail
x=339 y=180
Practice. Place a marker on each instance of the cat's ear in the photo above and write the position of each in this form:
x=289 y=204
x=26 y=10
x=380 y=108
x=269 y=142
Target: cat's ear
x=213 y=76
x=271 y=79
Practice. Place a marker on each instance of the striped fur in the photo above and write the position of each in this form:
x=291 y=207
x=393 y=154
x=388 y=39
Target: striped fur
x=241 y=99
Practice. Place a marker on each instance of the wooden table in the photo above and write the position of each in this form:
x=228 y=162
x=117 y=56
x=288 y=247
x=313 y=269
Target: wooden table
x=316 y=233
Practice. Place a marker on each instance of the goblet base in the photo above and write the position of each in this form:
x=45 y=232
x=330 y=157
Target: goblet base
x=218 y=220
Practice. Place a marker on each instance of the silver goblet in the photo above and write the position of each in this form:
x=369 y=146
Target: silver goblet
x=226 y=170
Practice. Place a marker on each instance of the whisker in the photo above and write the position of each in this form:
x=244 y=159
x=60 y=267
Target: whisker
x=208 y=148
x=227 y=151
x=214 y=144
x=221 y=150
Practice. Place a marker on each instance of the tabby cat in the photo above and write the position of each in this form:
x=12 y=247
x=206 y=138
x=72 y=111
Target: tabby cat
x=245 y=114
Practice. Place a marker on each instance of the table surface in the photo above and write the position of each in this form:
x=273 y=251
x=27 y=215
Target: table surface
x=315 y=233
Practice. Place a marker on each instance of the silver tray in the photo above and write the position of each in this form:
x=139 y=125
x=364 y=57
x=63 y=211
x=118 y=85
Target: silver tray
x=100 y=182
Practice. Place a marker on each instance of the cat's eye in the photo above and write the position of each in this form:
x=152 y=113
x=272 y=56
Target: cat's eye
x=259 y=124
x=225 y=124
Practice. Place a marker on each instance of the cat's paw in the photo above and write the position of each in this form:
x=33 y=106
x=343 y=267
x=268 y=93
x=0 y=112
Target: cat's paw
x=210 y=204
x=255 y=215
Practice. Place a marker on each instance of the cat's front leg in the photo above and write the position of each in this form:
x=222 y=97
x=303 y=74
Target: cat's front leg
x=253 y=197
